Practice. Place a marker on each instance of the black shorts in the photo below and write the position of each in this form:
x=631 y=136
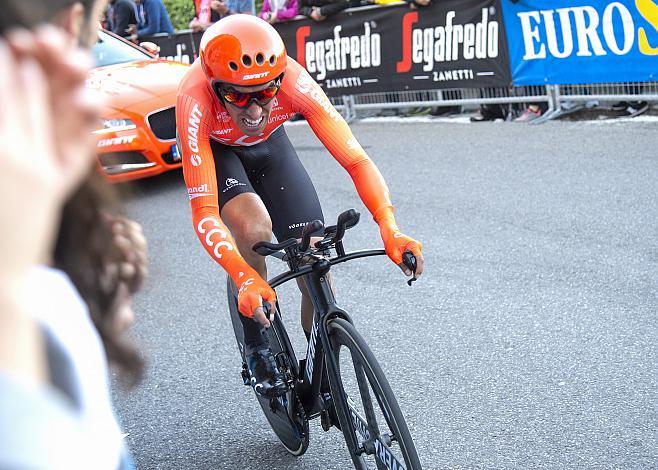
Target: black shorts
x=272 y=170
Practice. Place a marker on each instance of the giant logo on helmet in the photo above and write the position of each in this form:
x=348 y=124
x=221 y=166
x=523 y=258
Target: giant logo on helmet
x=253 y=76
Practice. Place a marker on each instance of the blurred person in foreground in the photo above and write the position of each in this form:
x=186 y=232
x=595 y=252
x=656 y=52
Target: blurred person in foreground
x=38 y=424
x=81 y=308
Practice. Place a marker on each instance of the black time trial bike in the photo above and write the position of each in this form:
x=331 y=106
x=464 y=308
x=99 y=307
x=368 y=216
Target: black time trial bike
x=339 y=380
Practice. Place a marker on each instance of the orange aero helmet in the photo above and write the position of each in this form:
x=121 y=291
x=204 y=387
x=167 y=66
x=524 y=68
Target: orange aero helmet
x=242 y=50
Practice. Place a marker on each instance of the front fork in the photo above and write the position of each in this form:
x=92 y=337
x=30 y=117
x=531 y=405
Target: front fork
x=325 y=309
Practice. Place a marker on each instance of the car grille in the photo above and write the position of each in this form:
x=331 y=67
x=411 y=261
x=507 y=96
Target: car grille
x=121 y=158
x=163 y=123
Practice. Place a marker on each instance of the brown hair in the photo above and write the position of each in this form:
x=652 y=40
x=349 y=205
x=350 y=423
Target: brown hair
x=86 y=251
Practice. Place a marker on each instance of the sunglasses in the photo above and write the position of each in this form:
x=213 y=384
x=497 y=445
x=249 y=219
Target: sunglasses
x=242 y=99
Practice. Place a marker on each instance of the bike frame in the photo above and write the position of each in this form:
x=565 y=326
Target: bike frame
x=319 y=353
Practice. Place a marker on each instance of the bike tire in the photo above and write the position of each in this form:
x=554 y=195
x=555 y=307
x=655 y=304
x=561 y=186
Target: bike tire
x=285 y=415
x=344 y=338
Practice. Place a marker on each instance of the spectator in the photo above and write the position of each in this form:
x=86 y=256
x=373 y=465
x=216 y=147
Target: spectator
x=152 y=18
x=73 y=427
x=38 y=428
x=631 y=108
x=274 y=11
x=247 y=7
x=490 y=111
x=208 y=12
x=414 y=4
x=532 y=112
x=122 y=14
x=319 y=10
x=106 y=18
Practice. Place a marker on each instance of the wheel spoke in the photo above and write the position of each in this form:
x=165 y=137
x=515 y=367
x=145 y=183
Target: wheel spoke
x=369 y=411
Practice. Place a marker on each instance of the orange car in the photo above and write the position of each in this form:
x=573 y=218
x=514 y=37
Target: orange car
x=138 y=138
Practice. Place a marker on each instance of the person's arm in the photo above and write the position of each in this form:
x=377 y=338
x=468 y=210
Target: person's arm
x=332 y=130
x=193 y=119
x=333 y=7
x=312 y=3
x=153 y=15
x=414 y=4
x=195 y=19
x=193 y=122
x=289 y=12
x=125 y=16
x=306 y=7
x=265 y=9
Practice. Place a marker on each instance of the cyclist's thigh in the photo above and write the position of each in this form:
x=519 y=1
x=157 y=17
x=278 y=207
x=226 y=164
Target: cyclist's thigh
x=237 y=198
x=285 y=187
x=232 y=177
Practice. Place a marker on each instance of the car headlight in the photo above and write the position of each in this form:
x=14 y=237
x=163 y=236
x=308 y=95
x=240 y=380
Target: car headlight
x=115 y=125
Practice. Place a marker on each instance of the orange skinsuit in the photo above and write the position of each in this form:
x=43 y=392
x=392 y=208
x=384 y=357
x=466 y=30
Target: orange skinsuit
x=200 y=117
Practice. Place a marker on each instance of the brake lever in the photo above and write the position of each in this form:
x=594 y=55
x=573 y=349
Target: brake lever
x=409 y=261
x=268 y=311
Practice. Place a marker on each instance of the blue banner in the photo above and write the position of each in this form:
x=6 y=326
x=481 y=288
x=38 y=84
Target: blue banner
x=582 y=41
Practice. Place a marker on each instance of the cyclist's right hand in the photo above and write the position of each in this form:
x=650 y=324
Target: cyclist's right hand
x=253 y=290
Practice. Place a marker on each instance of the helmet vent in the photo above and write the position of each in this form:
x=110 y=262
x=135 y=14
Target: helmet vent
x=272 y=59
x=233 y=66
x=260 y=58
x=246 y=60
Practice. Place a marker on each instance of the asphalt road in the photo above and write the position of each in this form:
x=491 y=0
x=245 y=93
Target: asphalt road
x=530 y=342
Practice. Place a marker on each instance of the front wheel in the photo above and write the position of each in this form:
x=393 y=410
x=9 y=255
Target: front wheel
x=379 y=437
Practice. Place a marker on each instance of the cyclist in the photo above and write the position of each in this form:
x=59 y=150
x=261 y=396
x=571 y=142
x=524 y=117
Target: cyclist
x=239 y=162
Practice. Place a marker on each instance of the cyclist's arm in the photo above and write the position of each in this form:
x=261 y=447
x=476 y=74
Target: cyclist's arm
x=193 y=123
x=332 y=130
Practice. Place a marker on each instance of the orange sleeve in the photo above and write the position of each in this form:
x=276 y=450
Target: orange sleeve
x=332 y=130
x=193 y=121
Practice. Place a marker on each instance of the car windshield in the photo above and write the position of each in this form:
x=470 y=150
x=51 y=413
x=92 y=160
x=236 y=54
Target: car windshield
x=110 y=50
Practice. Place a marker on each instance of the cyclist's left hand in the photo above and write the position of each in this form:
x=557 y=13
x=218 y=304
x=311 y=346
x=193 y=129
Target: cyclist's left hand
x=396 y=243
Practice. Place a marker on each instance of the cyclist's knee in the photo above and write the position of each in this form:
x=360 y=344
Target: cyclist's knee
x=248 y=231
x=248 y=220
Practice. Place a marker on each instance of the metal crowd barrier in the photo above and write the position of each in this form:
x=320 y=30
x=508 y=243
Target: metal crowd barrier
x=572 y=98
x=561 y=99
x=352 y=106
